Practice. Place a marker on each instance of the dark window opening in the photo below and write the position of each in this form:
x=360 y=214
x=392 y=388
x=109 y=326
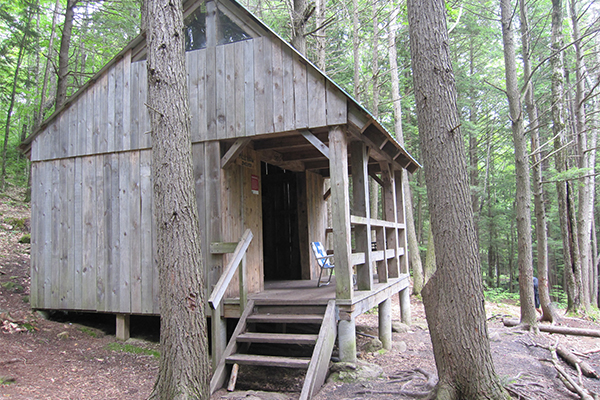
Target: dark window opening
x=195 y=30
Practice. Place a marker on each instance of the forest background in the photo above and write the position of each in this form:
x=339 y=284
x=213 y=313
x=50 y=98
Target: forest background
x=49 y=49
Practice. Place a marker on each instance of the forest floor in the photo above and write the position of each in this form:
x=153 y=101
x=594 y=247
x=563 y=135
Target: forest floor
x=76 y=356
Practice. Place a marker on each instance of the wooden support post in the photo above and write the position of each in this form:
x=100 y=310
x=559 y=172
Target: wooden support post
x=390 y=214
x=122 y=327
x=219 y=335
x=404 y=297
x=243 y=285
x=385 y=323
x=338 y=167
x=401 y=218
x=360 y=188
x=347 y=339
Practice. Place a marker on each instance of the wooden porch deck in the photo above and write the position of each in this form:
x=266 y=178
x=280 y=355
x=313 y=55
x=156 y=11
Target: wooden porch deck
x=306 y=292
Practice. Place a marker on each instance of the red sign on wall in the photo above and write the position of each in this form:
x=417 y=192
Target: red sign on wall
x=254 y=184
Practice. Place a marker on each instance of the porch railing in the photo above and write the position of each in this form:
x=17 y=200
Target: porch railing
x=238 y=257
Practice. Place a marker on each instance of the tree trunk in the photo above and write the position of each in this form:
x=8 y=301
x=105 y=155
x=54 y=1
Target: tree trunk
x=63 y=55
x=355 y=48
x=453 y=297
x=564 y=189
x=523 y=195
x=373 y=185
x=40 y=113
x=413 y=246
x=548 y=313
x=13 y=94
x=320 y=35
x=300 y=15
x=430 y=267
x=586 y=144
x=184 y=365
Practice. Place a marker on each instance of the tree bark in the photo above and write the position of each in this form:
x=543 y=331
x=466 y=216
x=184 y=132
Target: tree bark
x=413 y=245
x=40 y=114
x=321 y=6
x=453 y=297
x=62 y=82
x=548 y=312
x=586 y=144
x=22 y=45
x=355 y=48
x=523 y=192
x=184 y=364
x=564 y=189
x=300 y=16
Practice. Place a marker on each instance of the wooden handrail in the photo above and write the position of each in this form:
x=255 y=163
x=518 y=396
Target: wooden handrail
x=219 y=291
x=375 y=223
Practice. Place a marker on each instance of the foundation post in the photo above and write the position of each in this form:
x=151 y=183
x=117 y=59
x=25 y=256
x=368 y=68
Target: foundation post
x=347 y=340
x=385 y=323
x=404 y=297
x=122 y=327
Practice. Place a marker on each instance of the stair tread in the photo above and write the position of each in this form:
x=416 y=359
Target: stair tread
x=297 y=338
x=269 y=361
x=287 y=318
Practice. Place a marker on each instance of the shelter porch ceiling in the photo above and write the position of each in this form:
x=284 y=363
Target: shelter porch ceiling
x=293 y=151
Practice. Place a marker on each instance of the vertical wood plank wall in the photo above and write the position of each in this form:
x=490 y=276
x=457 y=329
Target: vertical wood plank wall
x=92 y=231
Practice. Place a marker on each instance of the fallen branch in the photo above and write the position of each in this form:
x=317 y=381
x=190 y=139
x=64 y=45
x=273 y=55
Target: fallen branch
x=573 y=386
x=576 y=362
x=564 y=330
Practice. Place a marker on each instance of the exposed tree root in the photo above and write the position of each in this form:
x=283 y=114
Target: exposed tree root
x=407 y=378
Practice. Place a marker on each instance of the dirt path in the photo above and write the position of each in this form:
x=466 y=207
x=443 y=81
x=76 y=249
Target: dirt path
x=80 y=358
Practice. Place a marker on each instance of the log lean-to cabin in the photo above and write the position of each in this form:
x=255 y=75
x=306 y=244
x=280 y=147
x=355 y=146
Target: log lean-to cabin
x=274 y=142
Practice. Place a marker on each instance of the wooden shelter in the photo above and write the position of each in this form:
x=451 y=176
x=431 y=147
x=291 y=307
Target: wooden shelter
x=274 y=140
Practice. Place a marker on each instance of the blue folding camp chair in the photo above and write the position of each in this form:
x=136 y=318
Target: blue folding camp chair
x=323 y=261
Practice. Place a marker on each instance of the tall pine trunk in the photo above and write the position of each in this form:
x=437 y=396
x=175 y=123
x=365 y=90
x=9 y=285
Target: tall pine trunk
x=586 y=144
x=184 y=365
x=413 y=245
x=564 y=189
x=548 y=313
x=62 y=81
x=453 y=297
x=523 y=194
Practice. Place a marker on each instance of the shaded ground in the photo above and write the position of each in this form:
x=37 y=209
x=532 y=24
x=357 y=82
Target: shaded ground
x=74 y=358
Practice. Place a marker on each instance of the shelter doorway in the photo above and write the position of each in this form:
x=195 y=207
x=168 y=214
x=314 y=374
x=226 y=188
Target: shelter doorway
x=281 y=244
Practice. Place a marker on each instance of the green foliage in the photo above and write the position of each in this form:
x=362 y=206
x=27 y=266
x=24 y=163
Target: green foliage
x=90 y=331
x=128 y=348
x=500 y=295
x=559 y=297
x=6 y=381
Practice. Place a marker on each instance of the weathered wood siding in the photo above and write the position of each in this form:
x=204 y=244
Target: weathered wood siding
x=242 y=209
x=92 y=235
x=92 y=229
x=241 y=89
x=317 y=216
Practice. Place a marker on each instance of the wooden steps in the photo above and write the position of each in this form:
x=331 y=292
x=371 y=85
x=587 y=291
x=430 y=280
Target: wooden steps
x=282 y=336
x=269 y=361
x=279 y=338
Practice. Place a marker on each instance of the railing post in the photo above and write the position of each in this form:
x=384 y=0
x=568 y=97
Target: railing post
x=243 y=287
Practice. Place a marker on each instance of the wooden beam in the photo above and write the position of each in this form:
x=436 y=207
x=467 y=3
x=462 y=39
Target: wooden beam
x=338 y=167
x=222 y=247
x=360 y=192
x=315 y=142
x=221 y=286
x=233 y=153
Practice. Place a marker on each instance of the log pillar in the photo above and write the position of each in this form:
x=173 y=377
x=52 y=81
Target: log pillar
x=340 y=209
x=347 y=339
x=390 y=214
x=385 y=323
x=360 y=192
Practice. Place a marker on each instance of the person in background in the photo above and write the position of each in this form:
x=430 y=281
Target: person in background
x=536 y=295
